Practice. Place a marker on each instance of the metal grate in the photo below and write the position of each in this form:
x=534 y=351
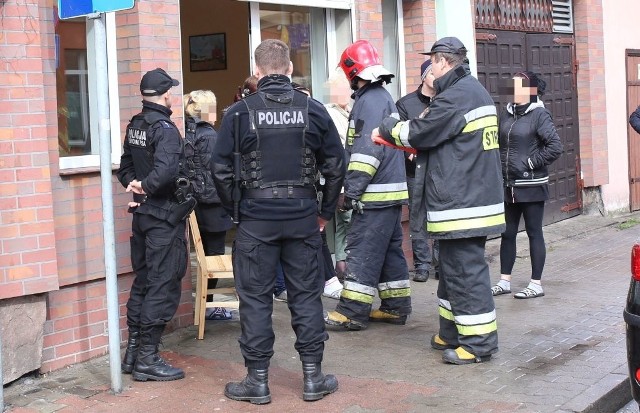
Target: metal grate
x=518 y=15
x=562 y=16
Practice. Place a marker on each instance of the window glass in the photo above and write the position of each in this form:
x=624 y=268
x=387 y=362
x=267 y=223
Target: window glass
x=308 y=31
x=391 y=52
x=77 y=101
x=292 y=25
x=72 y=89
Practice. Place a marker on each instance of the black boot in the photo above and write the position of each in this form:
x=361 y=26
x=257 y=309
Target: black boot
x=254 y=388
x=149 y=365
x=316 y=384
x=132 y=351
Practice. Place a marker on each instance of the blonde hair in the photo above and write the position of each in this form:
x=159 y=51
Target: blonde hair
x=196 y=100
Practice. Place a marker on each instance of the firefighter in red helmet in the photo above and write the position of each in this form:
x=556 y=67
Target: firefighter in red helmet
x=375 y=188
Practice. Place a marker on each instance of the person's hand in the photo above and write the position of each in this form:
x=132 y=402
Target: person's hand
x=133 y=204
x=376 y=137
x=322 y=223
x=353 y=204
x=135 y=186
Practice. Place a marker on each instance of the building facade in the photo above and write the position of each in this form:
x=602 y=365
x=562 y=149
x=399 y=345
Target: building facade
x=52 y=272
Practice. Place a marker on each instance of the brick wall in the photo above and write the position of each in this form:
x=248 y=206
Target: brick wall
x=591 y=84
x=27 y=247
x=419 y=34
x=76 y=327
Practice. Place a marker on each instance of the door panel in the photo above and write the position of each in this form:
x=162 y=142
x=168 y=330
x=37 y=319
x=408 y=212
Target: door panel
x=633 y=101
x=501 y=54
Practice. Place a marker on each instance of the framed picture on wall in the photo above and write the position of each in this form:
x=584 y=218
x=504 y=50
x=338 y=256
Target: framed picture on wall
x=207 y=52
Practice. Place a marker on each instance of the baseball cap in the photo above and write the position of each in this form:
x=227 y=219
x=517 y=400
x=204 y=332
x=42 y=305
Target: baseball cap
x=448 y=45
x=156 y=82
x=424 y=68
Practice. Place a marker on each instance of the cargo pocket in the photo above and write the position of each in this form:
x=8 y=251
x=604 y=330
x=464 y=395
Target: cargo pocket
x=138 y=250
x=246 y=264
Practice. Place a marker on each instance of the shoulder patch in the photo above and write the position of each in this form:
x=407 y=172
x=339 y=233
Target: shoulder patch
x=165 y=124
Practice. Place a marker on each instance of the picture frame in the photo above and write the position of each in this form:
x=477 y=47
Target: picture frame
x=208 y=52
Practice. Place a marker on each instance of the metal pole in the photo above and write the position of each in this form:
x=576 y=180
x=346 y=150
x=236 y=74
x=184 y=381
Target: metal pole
x=104 y=127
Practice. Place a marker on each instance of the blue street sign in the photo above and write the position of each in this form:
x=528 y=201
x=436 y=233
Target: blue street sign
x=68 y=9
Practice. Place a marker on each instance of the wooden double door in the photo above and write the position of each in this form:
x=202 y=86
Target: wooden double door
x=501 y=54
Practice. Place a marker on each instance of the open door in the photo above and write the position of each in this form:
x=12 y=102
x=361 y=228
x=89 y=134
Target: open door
x=633 y=101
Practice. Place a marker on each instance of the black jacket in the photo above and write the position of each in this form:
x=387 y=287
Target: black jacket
x=152 y=154
x=529 y=143
x=409 y=107
x=200 y=138
x=321 y=137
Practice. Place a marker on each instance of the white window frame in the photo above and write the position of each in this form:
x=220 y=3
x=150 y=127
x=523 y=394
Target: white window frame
x=69 y=163
x=333 y=54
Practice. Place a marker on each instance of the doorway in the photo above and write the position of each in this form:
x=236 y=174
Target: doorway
x=633 y=101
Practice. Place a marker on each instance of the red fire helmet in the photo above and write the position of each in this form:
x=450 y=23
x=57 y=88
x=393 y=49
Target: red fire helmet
x=361 y=59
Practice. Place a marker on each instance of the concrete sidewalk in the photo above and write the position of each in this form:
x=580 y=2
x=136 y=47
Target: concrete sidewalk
x=564 y=352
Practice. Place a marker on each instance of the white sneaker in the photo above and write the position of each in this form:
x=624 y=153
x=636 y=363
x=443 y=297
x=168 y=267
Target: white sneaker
x=332 y=288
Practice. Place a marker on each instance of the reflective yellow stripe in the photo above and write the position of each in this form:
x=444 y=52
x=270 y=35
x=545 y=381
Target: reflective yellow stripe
x=477 y=330
x=444 y=313
x=461 y=224
x=395 y=133
x=481 y=123
x=362 y=167
x=355 y=296
x=397 y=293
x=384 y=196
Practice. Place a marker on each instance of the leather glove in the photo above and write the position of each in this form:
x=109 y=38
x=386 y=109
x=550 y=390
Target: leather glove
x=353 y=204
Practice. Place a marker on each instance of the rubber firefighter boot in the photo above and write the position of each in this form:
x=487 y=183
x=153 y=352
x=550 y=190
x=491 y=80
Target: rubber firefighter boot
x=253 y=388
x=130 y=355
x=461 y=356
x=316 y=384
x=149 y=365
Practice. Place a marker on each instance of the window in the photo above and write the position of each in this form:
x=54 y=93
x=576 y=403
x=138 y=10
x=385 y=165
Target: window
x=562 y=16
x=309 y=31
x=78 y=140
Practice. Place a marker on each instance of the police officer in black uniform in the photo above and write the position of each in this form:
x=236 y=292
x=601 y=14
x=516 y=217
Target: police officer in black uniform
x=285 y=138
x=150 y=167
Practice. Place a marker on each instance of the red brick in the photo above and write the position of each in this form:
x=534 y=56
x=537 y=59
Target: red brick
x=57 y=338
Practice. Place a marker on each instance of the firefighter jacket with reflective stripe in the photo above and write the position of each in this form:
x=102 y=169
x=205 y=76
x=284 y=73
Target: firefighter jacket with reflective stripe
x=463 y=180
x=528 y=143
x=285 y=139
x=375 y=173
x=153 y=153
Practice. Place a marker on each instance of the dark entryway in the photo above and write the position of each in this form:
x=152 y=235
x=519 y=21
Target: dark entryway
x=500 y=55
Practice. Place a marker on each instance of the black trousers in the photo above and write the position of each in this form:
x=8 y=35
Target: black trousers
x=159 y=259
x=533 y=213
x=258 y=248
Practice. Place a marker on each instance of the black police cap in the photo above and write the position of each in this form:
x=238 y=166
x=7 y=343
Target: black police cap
x=156 y=82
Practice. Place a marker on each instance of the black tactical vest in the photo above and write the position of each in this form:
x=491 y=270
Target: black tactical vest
x=281 y=166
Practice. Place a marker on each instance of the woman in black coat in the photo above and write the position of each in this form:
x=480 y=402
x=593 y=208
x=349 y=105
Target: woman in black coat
x=200 y=138
x=529 y=143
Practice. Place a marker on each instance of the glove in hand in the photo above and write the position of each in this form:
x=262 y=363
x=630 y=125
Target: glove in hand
x=353 y=204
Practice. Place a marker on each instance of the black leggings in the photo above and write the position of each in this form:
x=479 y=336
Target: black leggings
x=533 y=213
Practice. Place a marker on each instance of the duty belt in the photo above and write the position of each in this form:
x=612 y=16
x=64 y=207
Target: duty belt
x=279 y=193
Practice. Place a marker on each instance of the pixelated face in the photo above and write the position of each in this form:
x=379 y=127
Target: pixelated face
x=521 y=90
x=208 y=113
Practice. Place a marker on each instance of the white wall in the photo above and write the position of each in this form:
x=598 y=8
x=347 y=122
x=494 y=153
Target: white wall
x=621 y=31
